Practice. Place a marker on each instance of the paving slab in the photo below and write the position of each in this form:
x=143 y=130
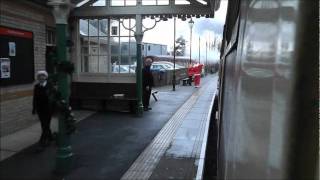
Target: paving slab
x=24 y=138
x=181 y=159
x=182 y=138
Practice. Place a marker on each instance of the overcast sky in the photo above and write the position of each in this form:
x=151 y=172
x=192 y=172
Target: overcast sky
x=206 y=28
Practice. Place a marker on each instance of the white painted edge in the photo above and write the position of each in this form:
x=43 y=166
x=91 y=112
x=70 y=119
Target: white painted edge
x=201 y=162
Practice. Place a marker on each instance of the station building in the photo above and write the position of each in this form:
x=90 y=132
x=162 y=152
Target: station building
x=27 y=37
x=26 y=34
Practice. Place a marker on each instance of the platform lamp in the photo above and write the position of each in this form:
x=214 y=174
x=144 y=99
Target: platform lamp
x=191 y=22
x=174 y=55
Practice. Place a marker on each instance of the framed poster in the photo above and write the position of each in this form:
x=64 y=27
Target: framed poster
x=17 y=53
x=5 y=68
x=12 y=49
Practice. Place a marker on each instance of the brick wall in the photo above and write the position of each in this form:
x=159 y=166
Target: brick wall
x=16 y=101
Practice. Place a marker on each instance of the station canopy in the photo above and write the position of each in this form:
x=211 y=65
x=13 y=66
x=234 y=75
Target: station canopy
x=163 y=9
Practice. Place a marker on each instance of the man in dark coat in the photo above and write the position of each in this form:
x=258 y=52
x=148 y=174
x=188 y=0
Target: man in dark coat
x=147 y=83
x=42 y=107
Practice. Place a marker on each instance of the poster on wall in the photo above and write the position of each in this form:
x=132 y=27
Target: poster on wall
x=5 y=68
x=12 y=49
x=19 y=67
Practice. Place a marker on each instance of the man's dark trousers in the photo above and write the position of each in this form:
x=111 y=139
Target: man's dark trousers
x=146 y=97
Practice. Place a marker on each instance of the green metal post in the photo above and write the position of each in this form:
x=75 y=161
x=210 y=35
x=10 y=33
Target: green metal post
x=139 y=80
x=64 y=152
x=174 y=56
x=139 y=36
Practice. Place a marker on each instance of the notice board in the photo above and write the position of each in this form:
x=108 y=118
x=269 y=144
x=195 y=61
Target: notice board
x=16 y=56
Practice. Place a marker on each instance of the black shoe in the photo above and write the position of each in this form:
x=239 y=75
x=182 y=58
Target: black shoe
x=55 y=136
x=39 y=149
x=147 y=108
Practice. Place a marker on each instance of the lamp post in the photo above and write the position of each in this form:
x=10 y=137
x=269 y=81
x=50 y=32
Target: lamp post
x=139 y=36
x=61 y=9
x=206 y=59
x=190 y=25
x=174 y=56
x=199 y=49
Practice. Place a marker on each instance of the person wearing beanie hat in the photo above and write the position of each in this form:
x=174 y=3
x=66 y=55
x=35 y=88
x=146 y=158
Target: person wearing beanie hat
x=42 y=107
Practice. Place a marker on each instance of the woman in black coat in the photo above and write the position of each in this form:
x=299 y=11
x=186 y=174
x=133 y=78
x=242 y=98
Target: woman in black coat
x=42 y=106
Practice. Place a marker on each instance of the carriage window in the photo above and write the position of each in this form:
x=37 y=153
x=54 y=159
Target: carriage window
x=106 y=46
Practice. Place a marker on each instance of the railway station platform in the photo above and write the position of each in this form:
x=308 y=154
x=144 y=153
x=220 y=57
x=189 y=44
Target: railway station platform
x=168 y=142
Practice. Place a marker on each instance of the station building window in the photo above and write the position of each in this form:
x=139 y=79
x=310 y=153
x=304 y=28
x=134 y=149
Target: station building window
x=107 y=46
x=180 y=2
x=156 y=2
x=99 y=3
x=123 y=2
x=50 y=36
x=128 y=2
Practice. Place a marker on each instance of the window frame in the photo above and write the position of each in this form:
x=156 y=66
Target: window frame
x=85 y=43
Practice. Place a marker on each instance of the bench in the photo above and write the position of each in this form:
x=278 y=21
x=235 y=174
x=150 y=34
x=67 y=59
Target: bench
x=185 y=81
x=97 y=96
x=132 y=102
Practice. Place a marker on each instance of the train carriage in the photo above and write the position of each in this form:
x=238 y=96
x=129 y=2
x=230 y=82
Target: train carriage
x=267 y=124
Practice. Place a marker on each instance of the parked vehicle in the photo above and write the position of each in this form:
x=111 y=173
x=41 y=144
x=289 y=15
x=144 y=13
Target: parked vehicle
x=170 y=64
x=120 y=69
x=164 y=65
x=123 y=69
x=160 y=67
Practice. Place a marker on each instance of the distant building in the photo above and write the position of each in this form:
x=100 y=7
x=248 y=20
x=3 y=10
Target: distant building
x=150 y=49
x=27 y=38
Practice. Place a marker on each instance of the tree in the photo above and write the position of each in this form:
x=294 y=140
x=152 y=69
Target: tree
x=180 y=46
